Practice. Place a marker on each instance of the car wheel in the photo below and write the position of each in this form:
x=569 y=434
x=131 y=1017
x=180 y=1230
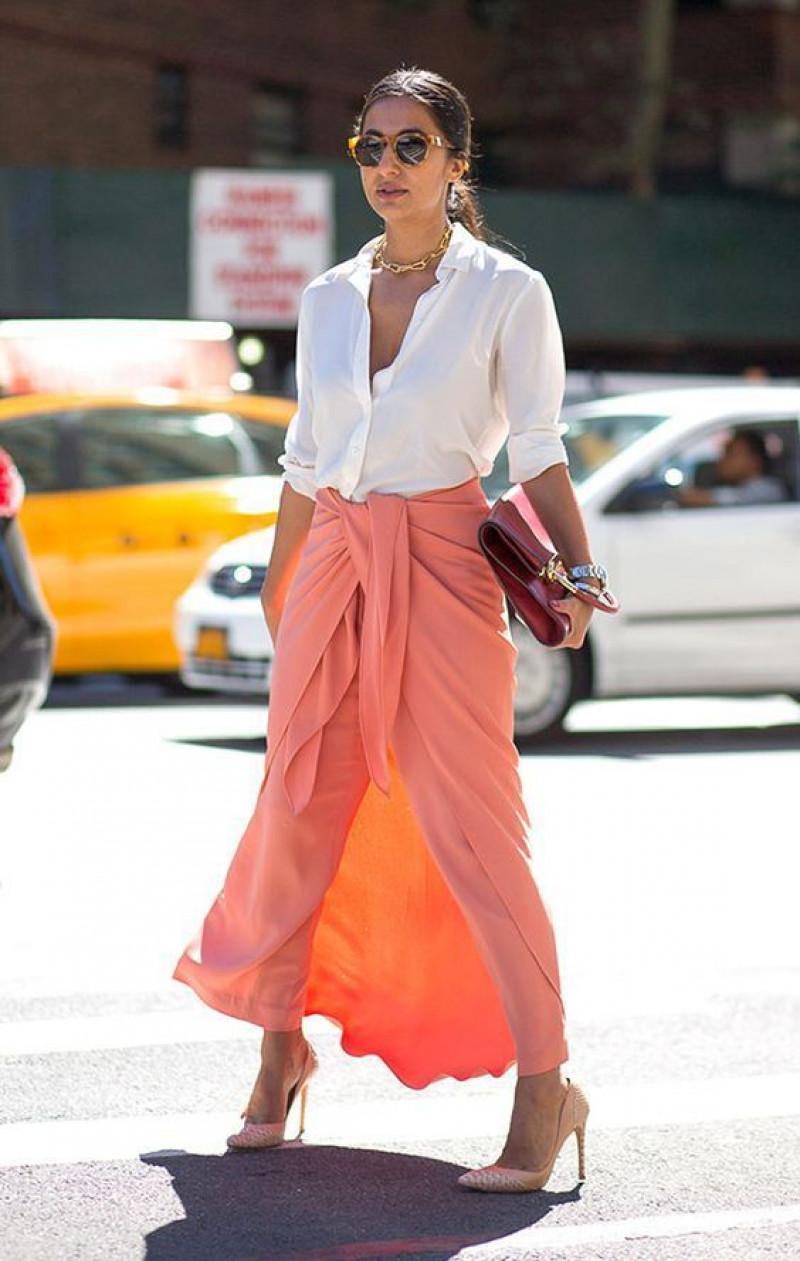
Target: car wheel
x=548 y=684
x=172 y=685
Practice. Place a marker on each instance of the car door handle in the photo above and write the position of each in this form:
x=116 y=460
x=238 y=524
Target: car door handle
x=128 y=540
x=185 y=539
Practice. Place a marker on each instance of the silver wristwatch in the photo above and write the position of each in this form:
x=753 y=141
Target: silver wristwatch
x=589 y=571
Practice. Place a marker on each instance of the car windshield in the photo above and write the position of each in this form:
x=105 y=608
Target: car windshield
x=591 y=441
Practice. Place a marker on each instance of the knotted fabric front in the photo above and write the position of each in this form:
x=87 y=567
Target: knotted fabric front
x=358 y=554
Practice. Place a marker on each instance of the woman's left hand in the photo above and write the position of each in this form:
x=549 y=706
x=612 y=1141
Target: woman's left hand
x=579 y=614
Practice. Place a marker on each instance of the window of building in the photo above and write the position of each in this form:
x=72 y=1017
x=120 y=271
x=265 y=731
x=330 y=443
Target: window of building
x=691 y=157
x=172 y=106
x=277 y=133
x=763 y=152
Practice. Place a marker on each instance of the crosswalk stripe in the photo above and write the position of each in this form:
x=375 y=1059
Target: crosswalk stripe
x=519 y=1246
x=418 y=1118
x=108 y=1033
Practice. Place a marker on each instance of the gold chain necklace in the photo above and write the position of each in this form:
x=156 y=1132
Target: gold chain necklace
x=421 y=263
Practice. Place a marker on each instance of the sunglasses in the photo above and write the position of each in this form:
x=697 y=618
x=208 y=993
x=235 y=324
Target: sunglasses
x=409 y=147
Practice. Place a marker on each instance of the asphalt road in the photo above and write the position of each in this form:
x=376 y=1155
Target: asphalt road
x=674 y=892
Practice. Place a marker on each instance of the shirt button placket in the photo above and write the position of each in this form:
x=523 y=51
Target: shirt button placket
x=355 y=454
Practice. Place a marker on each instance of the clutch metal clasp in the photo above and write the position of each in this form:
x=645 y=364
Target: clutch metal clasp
x=553 y=571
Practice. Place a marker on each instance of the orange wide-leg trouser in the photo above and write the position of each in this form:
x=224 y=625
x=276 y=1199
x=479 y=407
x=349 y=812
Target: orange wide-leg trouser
x=385 y=877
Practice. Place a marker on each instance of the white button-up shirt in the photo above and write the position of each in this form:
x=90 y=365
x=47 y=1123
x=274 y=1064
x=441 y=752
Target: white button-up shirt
x=482 y=362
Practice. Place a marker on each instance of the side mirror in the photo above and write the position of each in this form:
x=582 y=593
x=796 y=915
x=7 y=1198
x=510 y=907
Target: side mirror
x=645 y=494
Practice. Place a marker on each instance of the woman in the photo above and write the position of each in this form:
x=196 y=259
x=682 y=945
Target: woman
x=385 y=877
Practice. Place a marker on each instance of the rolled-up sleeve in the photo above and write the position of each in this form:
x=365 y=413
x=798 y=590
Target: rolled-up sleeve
x=299 y=458
x=530 y=381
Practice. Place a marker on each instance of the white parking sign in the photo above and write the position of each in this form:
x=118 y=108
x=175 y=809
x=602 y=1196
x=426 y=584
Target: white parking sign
x=256 y=239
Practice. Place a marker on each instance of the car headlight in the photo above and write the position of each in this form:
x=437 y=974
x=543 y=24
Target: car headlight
x=235 y=580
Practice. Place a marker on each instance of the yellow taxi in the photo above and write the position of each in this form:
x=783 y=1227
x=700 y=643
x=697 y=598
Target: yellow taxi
x=127 y=495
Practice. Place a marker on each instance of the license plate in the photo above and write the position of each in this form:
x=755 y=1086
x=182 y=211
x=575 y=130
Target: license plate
x=212 y=641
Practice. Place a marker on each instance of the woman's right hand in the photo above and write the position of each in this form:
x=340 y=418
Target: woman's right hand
x=272 y=617
x=291 y=531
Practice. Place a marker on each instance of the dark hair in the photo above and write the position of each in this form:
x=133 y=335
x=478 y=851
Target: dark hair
x=450 y=109
x=755 y=442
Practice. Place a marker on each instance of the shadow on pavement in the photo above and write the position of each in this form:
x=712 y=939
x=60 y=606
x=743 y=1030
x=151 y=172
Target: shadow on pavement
x=641 y=744
x=235 y=744
x=113 y=691
x=308 y=1203
x=120 y=692
x=618 y=744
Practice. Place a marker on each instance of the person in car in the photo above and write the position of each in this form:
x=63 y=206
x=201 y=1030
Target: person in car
x=425 y=937
x=742 y=476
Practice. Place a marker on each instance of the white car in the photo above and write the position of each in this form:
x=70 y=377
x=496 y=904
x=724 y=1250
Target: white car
x=219 y=624
x=710 y=596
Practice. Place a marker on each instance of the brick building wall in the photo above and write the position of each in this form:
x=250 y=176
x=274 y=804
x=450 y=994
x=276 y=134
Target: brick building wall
x=787 y=43
x=552 y=86
x=78 y=85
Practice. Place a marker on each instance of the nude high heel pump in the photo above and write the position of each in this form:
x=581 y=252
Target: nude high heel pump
x=571 y=1120
x=257 y=1134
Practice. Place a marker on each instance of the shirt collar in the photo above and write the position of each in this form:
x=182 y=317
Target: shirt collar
x=458 y=256
x=461 y=250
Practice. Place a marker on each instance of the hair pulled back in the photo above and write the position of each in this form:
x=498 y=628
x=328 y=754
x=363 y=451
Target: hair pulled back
x=450 y=109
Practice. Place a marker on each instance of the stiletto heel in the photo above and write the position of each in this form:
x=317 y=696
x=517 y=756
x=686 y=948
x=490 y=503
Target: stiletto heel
x=572 y=1118
x=580 y=1135
x=303 y=1097
x=257 y=1134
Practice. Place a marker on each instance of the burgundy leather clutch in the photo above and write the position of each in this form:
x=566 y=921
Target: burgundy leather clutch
x=529 y=570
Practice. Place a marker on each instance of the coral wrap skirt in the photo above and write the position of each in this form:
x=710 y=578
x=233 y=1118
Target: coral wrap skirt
x=429 y=945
